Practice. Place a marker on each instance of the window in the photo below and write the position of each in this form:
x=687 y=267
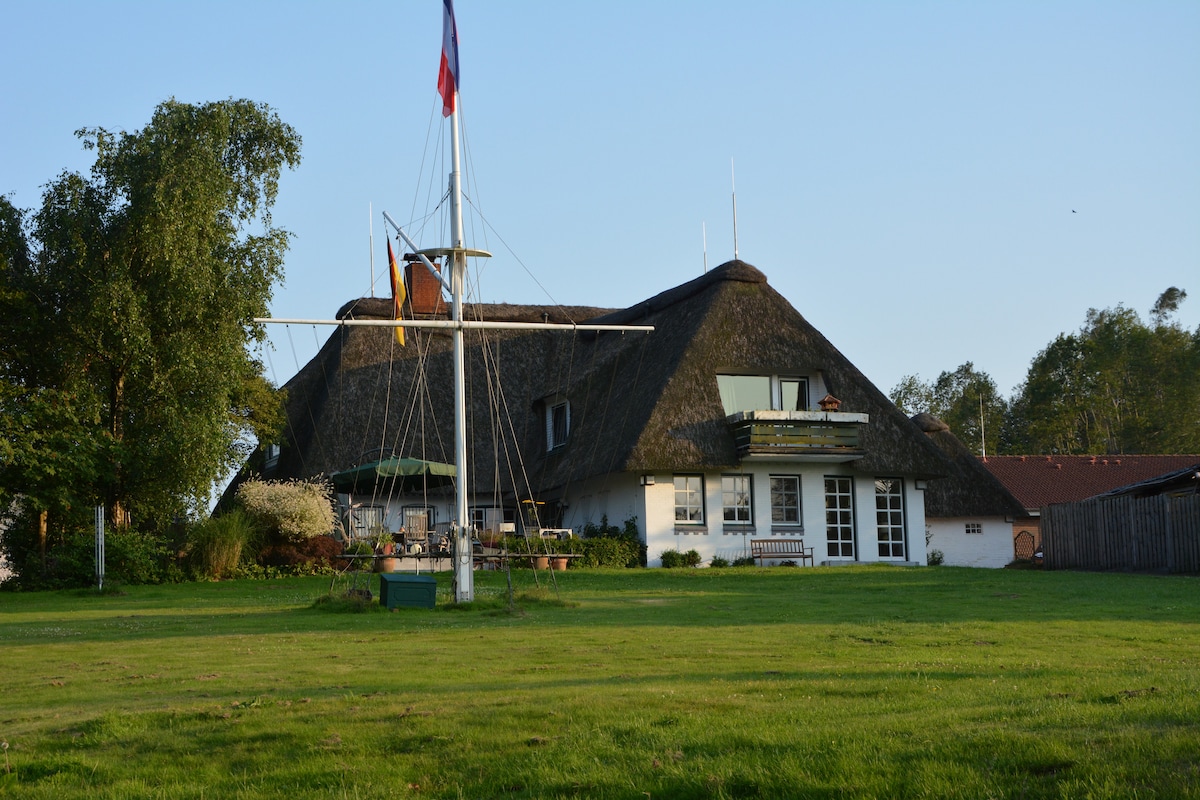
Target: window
x=975 y=528
x=889 y=517
x=363 y=519
x=785 y=500
x=689 y=499
x=793 y=394
x=762 y=392
x=558 y=424
x=744 y=392
x=486 y=518
x=736 y=498
x=839 y=517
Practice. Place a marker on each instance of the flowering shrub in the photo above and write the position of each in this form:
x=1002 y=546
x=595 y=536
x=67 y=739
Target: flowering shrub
x=288 y=511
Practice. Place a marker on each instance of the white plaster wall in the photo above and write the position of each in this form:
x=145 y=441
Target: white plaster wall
x=993 y=548
x=714 y=539
x=621 y=496
x=914 y=504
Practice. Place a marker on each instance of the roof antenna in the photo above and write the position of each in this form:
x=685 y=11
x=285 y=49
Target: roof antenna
x=704 y=242
x=371 y=242
x=982 y=429
x=733 y=185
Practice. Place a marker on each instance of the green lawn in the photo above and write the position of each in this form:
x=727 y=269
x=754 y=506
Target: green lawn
x=826 y=683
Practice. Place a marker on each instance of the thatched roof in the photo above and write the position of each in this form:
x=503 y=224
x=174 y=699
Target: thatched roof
x=971 y=490
x=639 y=402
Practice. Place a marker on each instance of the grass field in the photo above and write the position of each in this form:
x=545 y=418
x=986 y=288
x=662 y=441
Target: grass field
x=826 y=683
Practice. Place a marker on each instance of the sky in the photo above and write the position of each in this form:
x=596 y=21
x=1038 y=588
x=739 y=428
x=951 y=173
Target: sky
x=928 y=183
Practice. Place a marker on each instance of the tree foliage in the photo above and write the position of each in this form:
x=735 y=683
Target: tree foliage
x=126 y=307
x=967 y=400
x=1119 y=385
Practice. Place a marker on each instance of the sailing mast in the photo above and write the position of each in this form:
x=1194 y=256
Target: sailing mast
x=456 y=254
x=464 y=576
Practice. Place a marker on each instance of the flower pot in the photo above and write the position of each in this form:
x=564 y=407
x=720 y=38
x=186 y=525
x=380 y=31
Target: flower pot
x=541 y=562
x=558 y=563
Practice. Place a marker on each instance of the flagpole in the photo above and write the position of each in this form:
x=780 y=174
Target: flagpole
x=464 y=573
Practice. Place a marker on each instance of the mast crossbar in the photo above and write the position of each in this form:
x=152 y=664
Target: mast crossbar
x=463 y=325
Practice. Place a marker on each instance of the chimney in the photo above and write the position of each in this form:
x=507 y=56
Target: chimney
x=424 y=290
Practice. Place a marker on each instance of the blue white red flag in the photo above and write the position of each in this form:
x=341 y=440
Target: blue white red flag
x=448 y=72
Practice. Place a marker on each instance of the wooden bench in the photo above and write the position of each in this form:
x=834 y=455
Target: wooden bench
x=780 y=548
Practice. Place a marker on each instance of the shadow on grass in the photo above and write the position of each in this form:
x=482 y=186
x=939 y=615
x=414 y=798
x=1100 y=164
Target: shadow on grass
x=621 y=598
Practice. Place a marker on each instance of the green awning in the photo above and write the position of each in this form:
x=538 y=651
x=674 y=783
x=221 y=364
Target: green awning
x=410 y=474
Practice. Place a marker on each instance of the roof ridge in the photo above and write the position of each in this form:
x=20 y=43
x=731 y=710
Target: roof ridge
x=736 y=270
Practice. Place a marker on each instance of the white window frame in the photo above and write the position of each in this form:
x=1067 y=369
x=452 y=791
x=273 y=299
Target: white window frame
x=890 y=519
x=775 y=384
x=691 y=487
x=363 y=518
x=556 y=438
x=776 y=509
x=974 y=528
x=486 y=518
x=839 y=518
x=737 y=499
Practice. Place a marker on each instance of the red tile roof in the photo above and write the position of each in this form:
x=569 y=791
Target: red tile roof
x=1038 y=481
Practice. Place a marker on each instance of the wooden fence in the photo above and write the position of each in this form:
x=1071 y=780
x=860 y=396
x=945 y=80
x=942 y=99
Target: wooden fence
x=1160 y=534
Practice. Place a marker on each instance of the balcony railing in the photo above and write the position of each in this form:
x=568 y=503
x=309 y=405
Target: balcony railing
x=819 y=435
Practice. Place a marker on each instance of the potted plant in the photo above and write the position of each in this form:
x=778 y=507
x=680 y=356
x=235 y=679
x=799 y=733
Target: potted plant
x=384 y=544
x=557 y=560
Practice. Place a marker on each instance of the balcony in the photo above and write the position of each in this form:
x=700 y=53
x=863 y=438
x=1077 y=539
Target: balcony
x=799 y=435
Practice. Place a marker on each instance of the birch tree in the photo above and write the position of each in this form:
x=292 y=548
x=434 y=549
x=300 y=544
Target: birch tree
x=127 y=299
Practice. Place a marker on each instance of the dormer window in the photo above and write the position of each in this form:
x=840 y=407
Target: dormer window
x=558 y=423
x=763 y=393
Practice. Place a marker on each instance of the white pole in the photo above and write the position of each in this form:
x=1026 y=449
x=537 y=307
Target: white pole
x=704 y=244
x=733 y=185
x=464 y=573
x=100 y=548
x=371 y=242
x=982 y=429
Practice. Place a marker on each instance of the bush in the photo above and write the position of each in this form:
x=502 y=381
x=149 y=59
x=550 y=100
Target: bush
x=134 y=557
x=719 y=562
x=288 y=511
x=936 y=558
x=130 y=556
x=674 y=558
x=610 y=551
x=216 y=546
x=314 y=556
x=744 y=561
x=606 y=545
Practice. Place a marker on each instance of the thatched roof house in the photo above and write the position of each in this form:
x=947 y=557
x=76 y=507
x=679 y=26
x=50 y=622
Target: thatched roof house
x=588 y=421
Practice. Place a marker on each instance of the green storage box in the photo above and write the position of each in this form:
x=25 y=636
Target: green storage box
x=397 y=590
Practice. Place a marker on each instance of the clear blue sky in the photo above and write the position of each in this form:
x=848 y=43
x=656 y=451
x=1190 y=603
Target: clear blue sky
x=927 y=182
